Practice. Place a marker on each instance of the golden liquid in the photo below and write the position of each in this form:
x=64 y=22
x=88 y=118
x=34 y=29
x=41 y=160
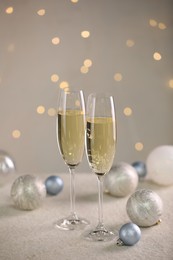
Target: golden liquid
x=100 y=141
x=71 y=136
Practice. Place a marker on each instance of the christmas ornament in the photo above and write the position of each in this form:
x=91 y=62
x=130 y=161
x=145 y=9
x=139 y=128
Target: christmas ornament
x=121 y=180
x=144 y=208
x=54 y=185
x=140 y=168
x=160 y=165
x=129 y=234
x=6 y=163
x=28 y=192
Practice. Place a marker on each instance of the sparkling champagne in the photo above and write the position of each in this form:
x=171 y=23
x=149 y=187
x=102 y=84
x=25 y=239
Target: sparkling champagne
x=100 y=142
x=71 y=135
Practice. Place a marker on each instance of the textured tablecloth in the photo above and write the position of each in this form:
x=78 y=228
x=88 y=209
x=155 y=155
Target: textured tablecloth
x=26 y=235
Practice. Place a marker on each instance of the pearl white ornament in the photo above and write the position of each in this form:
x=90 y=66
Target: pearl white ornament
x=144 y=208
x=160 y=165
x=122 y=180
x=28 y=192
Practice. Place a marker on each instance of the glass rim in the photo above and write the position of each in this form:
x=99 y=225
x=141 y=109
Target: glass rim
x=71 y=90
x=101 y=94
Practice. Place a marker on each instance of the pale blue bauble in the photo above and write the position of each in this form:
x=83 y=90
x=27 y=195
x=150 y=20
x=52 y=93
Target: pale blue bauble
x=54 y=185
x=140 y=168
x=129 y=234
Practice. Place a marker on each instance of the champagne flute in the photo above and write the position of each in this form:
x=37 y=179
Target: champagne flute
x=70 y=129
x=100 y=149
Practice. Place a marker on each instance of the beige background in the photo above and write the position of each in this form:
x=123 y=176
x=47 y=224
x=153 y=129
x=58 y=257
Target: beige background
x=28 y=59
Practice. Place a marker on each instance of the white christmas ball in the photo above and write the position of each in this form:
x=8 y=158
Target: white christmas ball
x=144 y=208
x=160 y=165
x=28 y=192
x=122 y=180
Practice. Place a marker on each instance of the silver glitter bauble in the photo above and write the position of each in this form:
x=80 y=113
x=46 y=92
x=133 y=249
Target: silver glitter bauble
x=144 y=208
x=6 y=163
x=160 y=165
x=122 y=180
x=129 y=234
x=28 y=192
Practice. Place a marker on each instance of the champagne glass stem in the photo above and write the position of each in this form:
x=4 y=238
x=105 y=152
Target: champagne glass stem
x=100 y=201
x=72 y=190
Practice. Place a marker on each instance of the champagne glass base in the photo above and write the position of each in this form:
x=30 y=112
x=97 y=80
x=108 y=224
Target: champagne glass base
x=100 y=233
x=72 y=222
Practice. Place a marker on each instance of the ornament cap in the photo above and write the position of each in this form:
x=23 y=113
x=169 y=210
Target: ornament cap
x=158 y=222
x=120 y=242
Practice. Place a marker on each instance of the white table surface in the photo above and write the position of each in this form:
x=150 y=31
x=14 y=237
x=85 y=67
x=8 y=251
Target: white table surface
x=26 y=235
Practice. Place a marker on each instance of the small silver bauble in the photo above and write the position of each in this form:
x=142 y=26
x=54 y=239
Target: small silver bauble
x=28 y=192
x=129 y=234
x=122 y=180
x=6 y=163
x=54 y=184
x=144 y=208
x=160 y=165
